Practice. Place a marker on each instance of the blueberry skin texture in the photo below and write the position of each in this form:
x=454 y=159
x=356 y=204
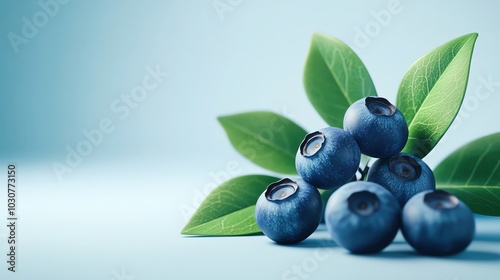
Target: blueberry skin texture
x=403 y=189
x=292 y=219
x=334 y=164
x=378 y=135
x=437 y=232
x=362 y=234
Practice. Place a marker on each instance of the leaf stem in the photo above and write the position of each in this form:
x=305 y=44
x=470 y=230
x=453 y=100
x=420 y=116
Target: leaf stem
x=364 y=167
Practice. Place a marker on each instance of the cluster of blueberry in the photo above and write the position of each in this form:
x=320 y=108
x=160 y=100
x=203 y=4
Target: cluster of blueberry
x=365 y=216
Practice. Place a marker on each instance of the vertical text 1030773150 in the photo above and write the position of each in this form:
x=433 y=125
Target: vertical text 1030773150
x=12 y=217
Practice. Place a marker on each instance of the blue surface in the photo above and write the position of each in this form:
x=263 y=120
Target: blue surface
x=147 y=162
x=90 y=229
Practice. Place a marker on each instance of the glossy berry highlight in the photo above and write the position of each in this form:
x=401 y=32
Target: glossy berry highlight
x=328 y=158
x=379 y=128
x=403 y=175
x=437 y=223
x=362 y=217
x=289 y=210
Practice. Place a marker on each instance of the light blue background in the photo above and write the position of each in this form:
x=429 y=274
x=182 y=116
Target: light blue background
x=136 y=187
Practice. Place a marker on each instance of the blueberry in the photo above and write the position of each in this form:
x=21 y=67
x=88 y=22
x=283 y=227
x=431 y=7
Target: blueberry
x=403 y=175
x=378 y=126
x=362 y=217
x=289 y=211
x=328 y=158
x=437 y=223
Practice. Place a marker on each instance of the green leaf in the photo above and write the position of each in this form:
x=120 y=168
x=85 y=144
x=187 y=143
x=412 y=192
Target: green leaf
x=473 y=174
x=229 y=209
x=334 y=78
x=325 y=195
x=432 y=91
x=267 y=139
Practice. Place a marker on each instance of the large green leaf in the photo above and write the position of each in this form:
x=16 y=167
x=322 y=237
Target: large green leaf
x=334 y=78
x=229 y=209
x=473 y=174
x=267 y=139
x=432 y=92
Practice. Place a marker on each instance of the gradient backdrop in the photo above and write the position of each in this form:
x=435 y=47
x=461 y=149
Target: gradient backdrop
x=152 y=77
